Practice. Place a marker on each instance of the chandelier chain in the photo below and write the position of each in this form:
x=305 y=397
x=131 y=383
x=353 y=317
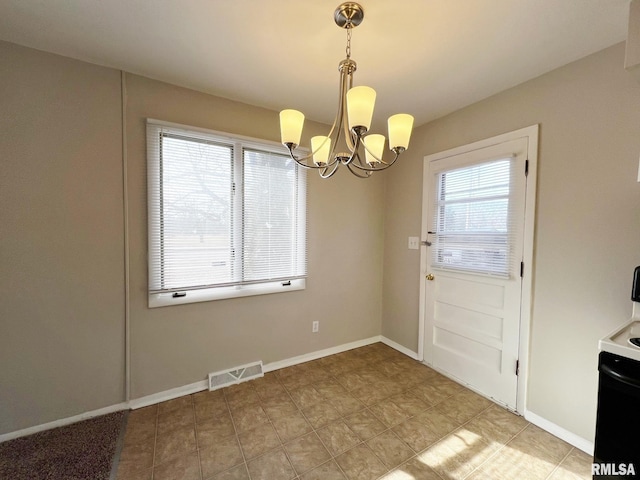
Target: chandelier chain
x=348 y=49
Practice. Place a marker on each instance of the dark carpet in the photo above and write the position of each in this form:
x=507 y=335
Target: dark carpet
x=81 y=451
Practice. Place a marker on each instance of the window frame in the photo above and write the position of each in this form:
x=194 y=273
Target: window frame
x=234 y=289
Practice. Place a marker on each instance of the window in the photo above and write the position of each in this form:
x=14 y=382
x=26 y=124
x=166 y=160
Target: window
x=227 y=216
x=473 y=223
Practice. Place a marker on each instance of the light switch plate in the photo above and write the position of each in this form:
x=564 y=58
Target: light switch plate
x=414 y=243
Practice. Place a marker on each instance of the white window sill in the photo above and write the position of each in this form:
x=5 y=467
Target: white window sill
x=209 y=294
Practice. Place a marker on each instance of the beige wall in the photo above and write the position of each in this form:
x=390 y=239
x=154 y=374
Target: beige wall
x=62 y=243
x=587 y=238
x=61 y=247
x=62 y=347
x=179 y=345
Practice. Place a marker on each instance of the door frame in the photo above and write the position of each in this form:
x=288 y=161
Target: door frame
x=526 y=301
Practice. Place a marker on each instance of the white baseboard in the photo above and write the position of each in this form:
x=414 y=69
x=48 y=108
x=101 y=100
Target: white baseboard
x=307 y=357
x=269 y=367
x=398 y=347
x=203 y=385
x=64 y=421
x=168 y=394
x=569 y=437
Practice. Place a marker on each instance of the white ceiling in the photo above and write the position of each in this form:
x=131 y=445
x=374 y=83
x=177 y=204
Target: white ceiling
x=424 y=57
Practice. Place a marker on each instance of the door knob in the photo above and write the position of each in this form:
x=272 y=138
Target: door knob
x=430 y=277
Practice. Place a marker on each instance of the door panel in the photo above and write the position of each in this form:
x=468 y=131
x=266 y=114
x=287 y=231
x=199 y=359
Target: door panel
x=473 y=292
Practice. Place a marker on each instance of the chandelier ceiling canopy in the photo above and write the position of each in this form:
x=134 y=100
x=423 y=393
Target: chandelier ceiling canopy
x=348 y=142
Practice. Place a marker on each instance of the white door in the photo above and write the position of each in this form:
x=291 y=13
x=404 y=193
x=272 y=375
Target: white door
x=473 y=265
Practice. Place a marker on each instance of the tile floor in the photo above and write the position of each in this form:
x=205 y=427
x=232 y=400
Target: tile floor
x=369 y=413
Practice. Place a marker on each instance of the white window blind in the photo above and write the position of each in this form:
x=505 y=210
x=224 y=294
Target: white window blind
x=226 y=216
x=474 y=223
x=273 y=238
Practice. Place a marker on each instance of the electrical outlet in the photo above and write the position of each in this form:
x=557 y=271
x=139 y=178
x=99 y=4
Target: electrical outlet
x=315 y=326
x=414 y=243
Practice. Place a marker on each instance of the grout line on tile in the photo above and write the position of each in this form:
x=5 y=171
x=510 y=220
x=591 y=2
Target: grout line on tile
x=560 y=463
x=237 y=436
x=195 y=432
x=490 y=456
x=155 y=441
x=498 y=450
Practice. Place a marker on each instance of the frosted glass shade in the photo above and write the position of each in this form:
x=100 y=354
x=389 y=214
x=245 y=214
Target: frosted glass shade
x=320 y=146
x=360 y=103
x=291 y=123
x=374 y=148
x=400 y=126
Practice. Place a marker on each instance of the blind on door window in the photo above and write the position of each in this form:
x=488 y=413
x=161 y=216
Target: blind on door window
x=474 y=222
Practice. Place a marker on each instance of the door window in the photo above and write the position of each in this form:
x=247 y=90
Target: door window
x=472 y=222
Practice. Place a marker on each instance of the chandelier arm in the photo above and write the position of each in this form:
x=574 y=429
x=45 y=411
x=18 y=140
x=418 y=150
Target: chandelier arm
x=338 y=122
x=396 y=156
x=346 y=82
x=364 y=145
x=355 y=136
x=334 y=141
x=323 y=173
x=396 y=151
x=366 y=174
x=300 y=161
x=373 y=169
x=304 y=165
x=358 y=163
x=356 y=160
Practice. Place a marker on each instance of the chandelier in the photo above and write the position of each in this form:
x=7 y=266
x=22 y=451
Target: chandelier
x=351 y=125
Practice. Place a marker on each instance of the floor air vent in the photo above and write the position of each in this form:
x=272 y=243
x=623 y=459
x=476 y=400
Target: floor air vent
x=235 y=375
